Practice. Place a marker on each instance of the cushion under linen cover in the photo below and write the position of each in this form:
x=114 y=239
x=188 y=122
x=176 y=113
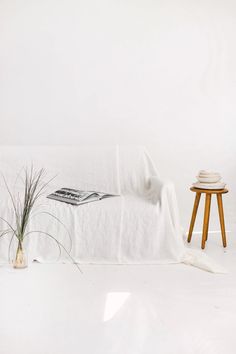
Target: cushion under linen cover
x=140 y=225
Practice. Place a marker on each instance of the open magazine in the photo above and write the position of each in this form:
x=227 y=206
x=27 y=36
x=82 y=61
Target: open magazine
x=77 y=197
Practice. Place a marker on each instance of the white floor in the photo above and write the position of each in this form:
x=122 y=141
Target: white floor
x=177 y=309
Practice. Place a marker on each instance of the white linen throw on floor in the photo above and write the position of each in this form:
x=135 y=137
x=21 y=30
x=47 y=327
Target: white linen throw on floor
x=139 y=227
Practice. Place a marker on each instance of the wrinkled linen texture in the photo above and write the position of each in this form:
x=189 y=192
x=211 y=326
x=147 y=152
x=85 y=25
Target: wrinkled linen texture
x=140 y=225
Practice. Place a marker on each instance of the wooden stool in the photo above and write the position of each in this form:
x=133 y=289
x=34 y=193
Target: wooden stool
x=208 y=193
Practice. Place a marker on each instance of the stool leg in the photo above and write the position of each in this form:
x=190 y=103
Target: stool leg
x=195 y=208
x=221 y=215
x=206 y=219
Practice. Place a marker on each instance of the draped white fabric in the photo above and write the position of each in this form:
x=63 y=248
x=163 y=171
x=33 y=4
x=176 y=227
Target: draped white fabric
x=139 y=226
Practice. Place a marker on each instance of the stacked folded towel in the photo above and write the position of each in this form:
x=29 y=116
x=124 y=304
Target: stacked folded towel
x=209 y=180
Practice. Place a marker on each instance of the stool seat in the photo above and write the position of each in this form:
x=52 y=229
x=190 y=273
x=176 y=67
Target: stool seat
x=208 y=193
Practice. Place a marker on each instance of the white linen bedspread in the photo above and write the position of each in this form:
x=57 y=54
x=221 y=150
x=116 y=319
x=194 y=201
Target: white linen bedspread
x=139 y=226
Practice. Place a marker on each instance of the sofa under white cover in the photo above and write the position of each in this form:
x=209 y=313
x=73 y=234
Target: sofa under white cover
x=140 y=225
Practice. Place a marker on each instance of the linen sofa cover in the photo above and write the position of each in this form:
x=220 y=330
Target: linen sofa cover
x=140 y=225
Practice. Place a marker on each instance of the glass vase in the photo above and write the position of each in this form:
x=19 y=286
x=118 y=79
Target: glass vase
x=20 y=261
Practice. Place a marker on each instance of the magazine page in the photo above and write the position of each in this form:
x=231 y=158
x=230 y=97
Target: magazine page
x=77 y=194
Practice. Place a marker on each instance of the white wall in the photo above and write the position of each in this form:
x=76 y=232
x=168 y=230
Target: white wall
x=160 y=73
